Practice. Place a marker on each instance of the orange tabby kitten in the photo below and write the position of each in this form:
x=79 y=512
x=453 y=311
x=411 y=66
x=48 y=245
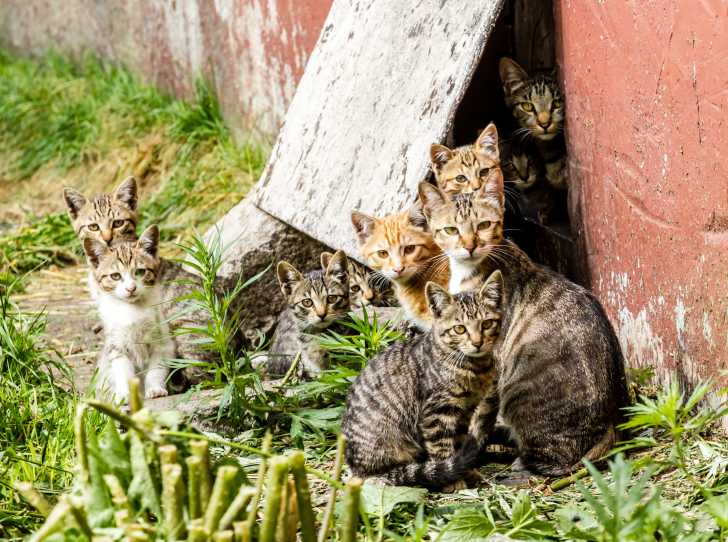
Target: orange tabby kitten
x=399 y=247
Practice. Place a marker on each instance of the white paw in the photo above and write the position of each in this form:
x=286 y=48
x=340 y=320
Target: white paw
x=153 y=392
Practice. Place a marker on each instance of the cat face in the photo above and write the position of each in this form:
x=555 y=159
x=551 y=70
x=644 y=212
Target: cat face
x=361 y=288
x=468 y=322
x=107 y=218
x=127 y=271
x=521 y=168
x=536 y=101
x=320 y=297
x=398 y=245
x=466 y=227
x=471 y=168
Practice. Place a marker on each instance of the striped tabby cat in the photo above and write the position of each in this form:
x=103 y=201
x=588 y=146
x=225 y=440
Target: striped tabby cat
x=421 y=410
x=538 y=106
x=365 y=288
x=136 y=338
x=524 y=171
x=399 y=247
x=561 y=379
x=108 y=218
x=470 y=168
x=315 y=301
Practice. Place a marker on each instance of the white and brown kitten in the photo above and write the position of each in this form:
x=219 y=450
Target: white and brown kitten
x=537 y=104
x=136 y=338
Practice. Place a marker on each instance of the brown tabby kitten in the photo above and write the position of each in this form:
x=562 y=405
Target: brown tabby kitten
x=470 y=168
x=524 y=171
x=538 y=106
x=561 y=380
x=107 y=218
x=365 y=288
x=315 y=301
x=399 y=247
x=421 y=410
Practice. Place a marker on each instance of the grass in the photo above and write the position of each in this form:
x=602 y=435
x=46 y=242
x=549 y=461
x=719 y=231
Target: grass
x=90 y=125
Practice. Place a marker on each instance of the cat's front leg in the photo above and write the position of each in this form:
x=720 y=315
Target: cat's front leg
x=155 y=381
x=482 y=421
x=116 y=372
x=313 y=357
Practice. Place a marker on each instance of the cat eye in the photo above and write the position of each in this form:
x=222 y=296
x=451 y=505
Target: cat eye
x=140 y=272
x=484 y=225
x=355 y=288
x=484 y=172
x=382 y=253
x=527 y=106
x=461 y=178
x=118 y=223
x=307 y=303
x=115 y=276
x=558 y=104
x=489 y=324
x=451 y=231
x=93 y=227
x=331 y=299
x=459 y=329
x=409 y=249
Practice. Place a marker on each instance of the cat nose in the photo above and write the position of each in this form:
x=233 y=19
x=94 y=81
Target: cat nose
x=544 y=119
x=131 y=288
x=106 y=236
x=477 y=341
x=398 y=270
x=369 y=296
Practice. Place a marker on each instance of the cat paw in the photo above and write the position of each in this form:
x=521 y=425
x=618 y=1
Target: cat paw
x=156 y=391
x=457 y=486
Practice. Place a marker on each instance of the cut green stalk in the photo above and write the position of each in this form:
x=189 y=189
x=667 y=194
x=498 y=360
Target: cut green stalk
x=242 y=531
x=222 y=493
x=223 y=536
x=136 y=402
x=277 y=478
x=118 y=495
x=172 y=501
x=329 y=511
x=194 y=477
x=350 y=516
x=34 y=497
x=260 y=480
x=167 y=454
x=303 y=496
x=201 y=449
x=197 y=533
x=237 y=507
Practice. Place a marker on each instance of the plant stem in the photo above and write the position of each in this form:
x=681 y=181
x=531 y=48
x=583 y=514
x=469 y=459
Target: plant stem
x=303 y=495
x=34 y=497
x=201 y=450
x=267 y=439
x=237 y=507
x=118 y=495
x=276 y=479
x=350 y=516
x=329 y=511
x=136 y=402
x=221 y=496
x=194 y=477
x=172 y=501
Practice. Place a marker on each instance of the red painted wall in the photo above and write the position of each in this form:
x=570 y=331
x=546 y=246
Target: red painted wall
x=253 y=51
x=647 y=89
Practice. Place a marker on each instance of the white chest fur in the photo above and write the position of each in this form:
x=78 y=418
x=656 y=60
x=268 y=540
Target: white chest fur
x=459 y=273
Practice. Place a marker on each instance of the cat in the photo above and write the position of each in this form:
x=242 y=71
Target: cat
x=421 y=411
x=399 y=247
x=316 y=300
x=108 y=218
x=469 y=168
x=365 y=288
x=136 y=338
x=561 y=376
x=524 y=172
x=538 y=107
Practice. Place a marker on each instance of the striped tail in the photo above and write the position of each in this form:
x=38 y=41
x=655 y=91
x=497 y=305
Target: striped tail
x=436 y=474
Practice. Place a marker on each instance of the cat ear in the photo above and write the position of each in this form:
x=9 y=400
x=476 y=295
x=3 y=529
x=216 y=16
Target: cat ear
x=492 y=291
x=95 y=250
x=288 y=277
x=127 y=193
x=439 y=155
x=363 y=225
x=337 y=266
x=431 y=197
x=487 y=142
x=74 y=201
x=325 y=258
x=438 y=298
x=512 y=75
x=149 y=240
x=493 y=191
x=416 y=216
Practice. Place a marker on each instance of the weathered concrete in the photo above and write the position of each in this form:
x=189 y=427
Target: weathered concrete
x=252 y=51
x=257 y=241
x=647 y=91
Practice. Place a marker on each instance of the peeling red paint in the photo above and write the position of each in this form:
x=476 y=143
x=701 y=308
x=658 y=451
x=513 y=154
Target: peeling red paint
x=647 y=90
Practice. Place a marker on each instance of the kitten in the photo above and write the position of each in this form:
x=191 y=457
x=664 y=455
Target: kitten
x=399 y=247
x=538 y=106
x=470 y=168
x=421 y=410
x=561 y=379
x=365 y=288
x=524 y=172
x=136 y=339
x=315 y=301
x=108 y=218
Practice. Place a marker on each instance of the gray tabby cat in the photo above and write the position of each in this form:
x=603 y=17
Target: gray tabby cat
x=561 y=377
x=538 y=106
x=365 y=287
x=524 y=171
x=315 y=301
x=421 y=411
